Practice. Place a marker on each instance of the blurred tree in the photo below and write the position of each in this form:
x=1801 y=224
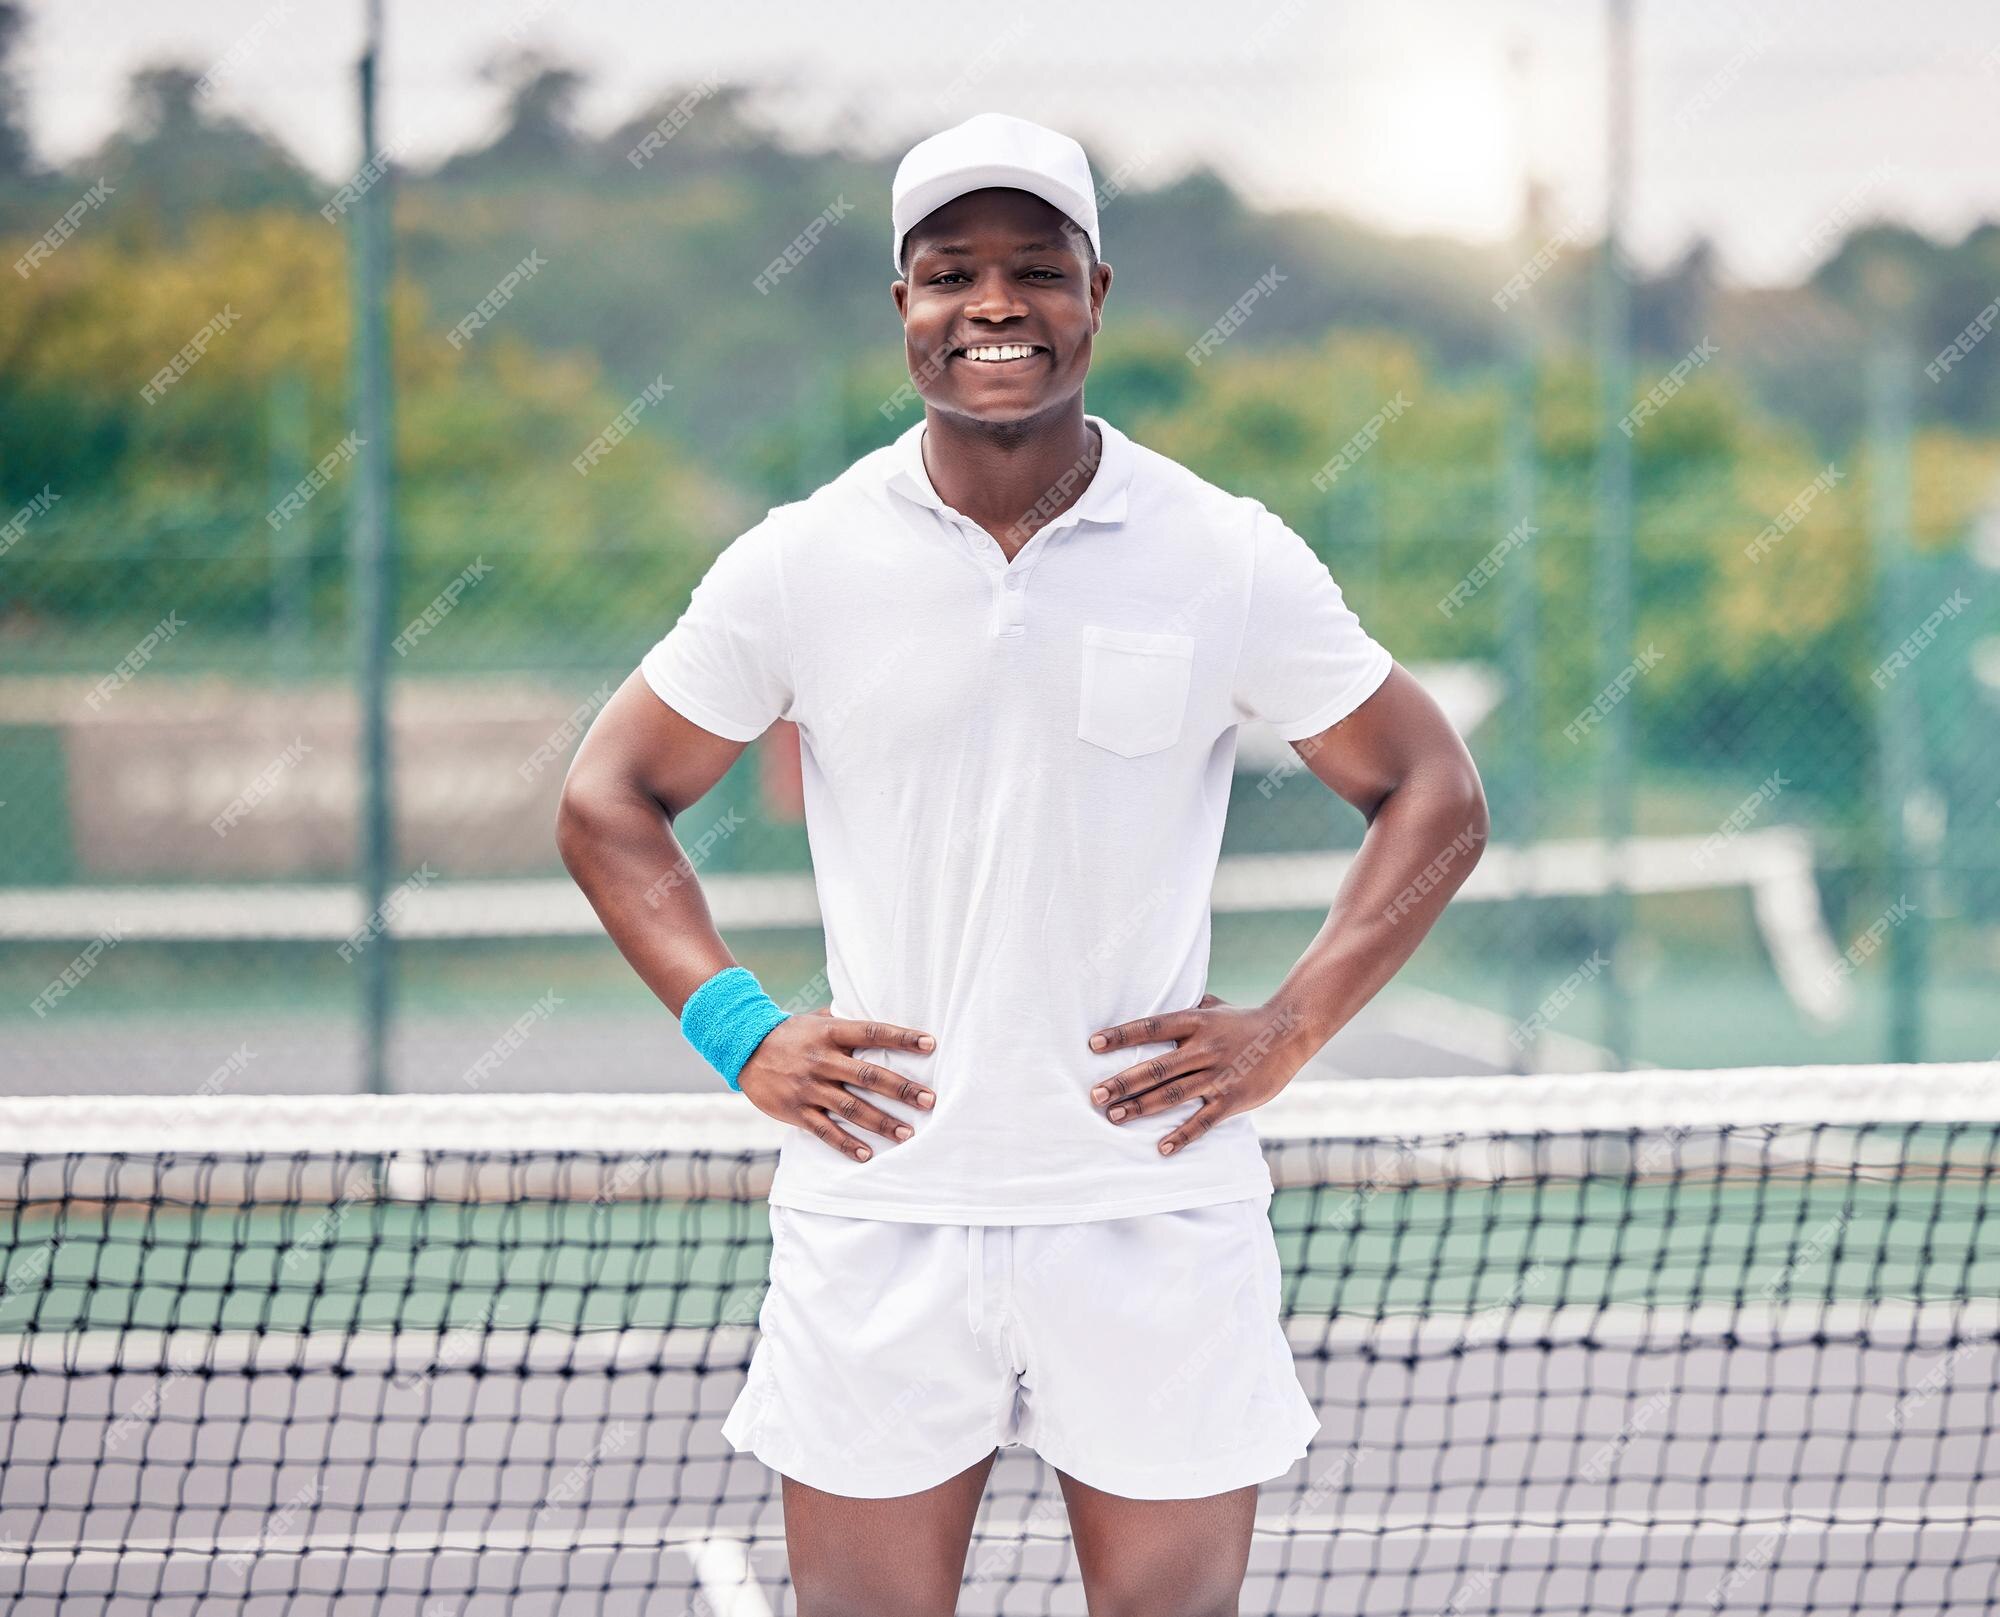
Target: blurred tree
x=174 y=159
x=538 y=132
x=1673 y=312
x=17 y=159
x=167 y=500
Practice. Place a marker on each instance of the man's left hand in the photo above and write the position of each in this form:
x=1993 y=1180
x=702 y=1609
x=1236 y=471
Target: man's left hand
x=1228 y=1058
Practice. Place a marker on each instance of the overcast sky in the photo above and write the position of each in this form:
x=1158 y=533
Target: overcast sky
x=1757 y=120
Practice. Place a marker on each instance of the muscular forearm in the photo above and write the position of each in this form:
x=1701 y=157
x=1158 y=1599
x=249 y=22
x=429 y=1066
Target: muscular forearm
x=620 y=848
x=1421 y=845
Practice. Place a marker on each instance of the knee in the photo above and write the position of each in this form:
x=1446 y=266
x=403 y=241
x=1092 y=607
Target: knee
x=1152 y=1600
x=843 y=1606
x=823 y=1600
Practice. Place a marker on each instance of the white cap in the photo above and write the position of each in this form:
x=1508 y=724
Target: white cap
x=993 y=149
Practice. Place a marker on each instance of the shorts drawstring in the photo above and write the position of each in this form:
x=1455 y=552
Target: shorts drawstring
x=975 y=1282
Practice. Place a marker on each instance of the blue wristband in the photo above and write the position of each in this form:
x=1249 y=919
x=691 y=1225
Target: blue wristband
x=727 y=1018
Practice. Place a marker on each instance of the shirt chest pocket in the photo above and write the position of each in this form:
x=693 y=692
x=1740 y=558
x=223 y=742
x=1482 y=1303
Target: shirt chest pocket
x=1135 y=689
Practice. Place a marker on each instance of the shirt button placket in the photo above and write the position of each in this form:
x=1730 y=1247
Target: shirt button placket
x=1010 y=606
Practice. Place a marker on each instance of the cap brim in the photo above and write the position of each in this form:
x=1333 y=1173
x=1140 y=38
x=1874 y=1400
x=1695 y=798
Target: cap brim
x=921 y=201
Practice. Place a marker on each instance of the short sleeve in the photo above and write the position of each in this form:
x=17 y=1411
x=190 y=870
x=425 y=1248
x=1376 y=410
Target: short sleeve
x=726 y=665
x=1305 y=662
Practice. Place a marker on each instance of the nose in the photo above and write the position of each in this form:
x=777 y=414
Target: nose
x=995 y=297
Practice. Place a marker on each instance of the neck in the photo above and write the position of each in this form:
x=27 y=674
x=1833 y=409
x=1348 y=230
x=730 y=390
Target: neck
x=1012 y=477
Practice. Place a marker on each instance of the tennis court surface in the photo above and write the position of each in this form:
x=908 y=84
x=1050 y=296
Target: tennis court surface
x=1643 y=1343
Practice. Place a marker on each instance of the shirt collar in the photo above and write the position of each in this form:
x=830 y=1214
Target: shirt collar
x=1105 y=500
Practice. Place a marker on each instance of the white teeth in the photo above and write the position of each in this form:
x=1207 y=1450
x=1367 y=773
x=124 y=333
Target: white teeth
x=1000 y=351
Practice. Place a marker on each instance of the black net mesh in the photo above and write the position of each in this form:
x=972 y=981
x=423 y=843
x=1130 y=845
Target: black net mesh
x=1559 y=1370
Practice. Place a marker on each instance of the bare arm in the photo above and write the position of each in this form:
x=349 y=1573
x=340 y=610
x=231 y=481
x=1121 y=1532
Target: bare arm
x=1398 y=760
x=639 y=768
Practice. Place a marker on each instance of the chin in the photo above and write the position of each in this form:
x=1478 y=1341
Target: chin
x=998 y=410
x=1003 y=403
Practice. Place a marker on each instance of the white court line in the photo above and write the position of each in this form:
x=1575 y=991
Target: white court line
x=416 y=1353
x=1667 y=1523
x=727 y=1556
x=722 y=1568
x=1775 y=864
x=1887 y=1323
x=1473 y=1033
x=1245 y=883
x=496 y=1541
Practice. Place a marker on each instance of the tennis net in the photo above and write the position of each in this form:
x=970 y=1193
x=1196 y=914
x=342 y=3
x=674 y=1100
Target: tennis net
x=1646 y=1343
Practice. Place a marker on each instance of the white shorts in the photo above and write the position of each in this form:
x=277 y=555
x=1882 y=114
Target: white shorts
x=1143 y=1356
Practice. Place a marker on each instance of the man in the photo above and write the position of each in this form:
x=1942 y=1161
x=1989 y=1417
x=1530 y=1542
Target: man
x=1026 y=1202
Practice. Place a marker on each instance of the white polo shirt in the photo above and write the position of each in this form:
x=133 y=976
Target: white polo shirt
x=1015 y=781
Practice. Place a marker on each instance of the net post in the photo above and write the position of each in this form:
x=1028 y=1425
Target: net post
x=1520 y=779
x=1612 y=341
x=1898 y=721
x=372 y=559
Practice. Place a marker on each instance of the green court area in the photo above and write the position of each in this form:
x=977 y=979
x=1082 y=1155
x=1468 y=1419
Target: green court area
x=370 y=1265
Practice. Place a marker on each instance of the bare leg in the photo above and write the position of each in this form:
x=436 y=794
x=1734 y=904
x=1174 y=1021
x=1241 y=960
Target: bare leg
x=902 y=1557
x=1160 y=1557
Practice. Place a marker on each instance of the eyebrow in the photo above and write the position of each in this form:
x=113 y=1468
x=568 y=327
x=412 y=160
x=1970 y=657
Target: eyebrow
x=959 y=249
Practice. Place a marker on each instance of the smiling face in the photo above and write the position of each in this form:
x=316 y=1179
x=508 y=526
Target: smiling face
x=999 y=305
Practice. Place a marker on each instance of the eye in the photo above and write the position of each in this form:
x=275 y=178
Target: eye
x=947 y=275
x=1055 y=275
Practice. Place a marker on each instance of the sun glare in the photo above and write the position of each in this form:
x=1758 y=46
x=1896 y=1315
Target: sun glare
x=1436 y=151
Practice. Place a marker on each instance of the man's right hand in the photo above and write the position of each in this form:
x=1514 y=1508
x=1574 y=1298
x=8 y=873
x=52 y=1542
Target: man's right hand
x=805 y=1073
